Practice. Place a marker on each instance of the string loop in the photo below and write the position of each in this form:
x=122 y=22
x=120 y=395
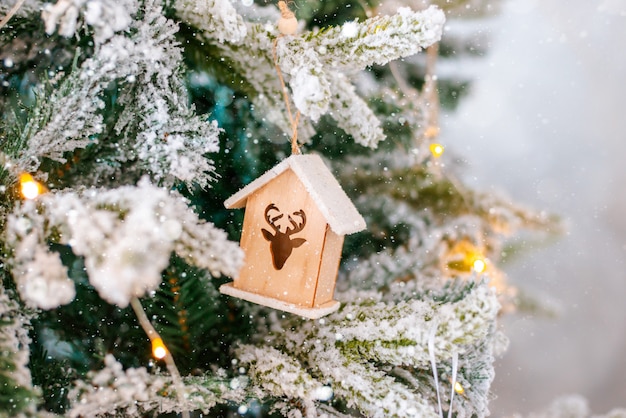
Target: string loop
x=286 y=14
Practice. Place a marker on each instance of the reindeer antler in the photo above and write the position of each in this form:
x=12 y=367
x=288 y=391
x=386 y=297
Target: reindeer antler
x=271 y=220
x=297 y=227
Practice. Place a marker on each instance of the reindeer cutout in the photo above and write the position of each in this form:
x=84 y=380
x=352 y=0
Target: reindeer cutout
x=281 y=243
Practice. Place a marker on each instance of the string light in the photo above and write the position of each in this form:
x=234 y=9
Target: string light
x=30 y=187
x=436 y=149
x=465 y=256
x=458 y=388
x=159 y=351
x=479 y=265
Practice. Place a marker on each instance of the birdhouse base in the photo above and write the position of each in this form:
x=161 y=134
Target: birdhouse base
x=311 y=313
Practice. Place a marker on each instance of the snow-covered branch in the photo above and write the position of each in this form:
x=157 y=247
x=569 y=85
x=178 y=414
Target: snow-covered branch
x=156 y=131
x=368 y=332
x=355 y=45
x=126 y=236
x=316 y=63
x=134 y=392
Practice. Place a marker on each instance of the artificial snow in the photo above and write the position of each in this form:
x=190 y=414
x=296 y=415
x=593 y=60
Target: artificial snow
x=315 y=64
x=104 y=17
x=216 y=18
x=125 y=235
x=336 y=207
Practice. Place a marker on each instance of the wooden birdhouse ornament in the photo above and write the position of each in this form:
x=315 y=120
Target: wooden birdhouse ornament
x=296 y=217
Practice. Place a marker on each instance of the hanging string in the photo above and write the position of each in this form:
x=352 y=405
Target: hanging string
x=433 y=364
x=295 y=149
x=431 y=92
x=429 y=97
x=9 y=15
x=287 y=25
x=455 y=365
x=152 y=334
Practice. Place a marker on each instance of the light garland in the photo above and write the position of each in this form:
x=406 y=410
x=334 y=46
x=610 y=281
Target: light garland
x=159 y=350
x=479 y=265
x=436 y=149
x=466 y=257
x=458 y=388
x=29 y=187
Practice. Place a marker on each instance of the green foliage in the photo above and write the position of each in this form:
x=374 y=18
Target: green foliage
x=204 y=329
x=89 y=327
x=14 y=397
x=383 y=347
x=16 y=394
x=53 y=376
x=197 y=324
x=419 y=187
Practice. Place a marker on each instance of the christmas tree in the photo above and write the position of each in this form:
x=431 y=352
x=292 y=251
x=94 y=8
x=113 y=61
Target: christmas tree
x=125 y=127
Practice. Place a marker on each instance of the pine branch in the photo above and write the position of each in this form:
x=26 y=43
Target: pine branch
x=411 y=200
x=50 y=133
x=378 y=40
x=316 y=62
x=189 y=314
x=310 y=87
x=16 y=390
x=353 y=114
x=217 y=19
x=103 y=20
x=98 y=222
x=134 y=392
x=27 y=8
x=168 y=140
x=367 y=337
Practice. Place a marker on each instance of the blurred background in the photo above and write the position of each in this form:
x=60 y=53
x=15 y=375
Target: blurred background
x=545 y=123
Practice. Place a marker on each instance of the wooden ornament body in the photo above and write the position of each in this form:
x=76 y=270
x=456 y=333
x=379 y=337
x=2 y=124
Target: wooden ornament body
x=301 y=279
x=307 y=279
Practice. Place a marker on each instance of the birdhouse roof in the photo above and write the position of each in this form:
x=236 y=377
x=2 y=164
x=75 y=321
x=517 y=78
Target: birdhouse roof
x=336 y=207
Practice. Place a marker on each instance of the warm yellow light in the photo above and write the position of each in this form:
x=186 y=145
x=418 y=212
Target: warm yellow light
x=29 y=187
x=479 y=265
x=436 y=150
x=458 y=388
x=159 y=351
x=466 y=257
